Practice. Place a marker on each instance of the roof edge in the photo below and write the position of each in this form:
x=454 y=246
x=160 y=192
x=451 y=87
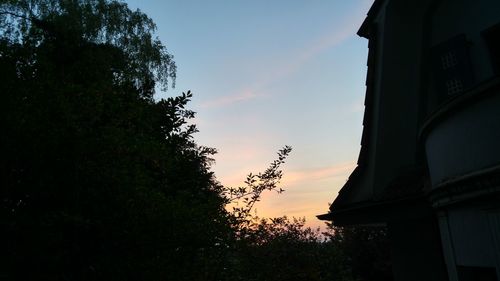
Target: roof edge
x=376 y=212
x=365 y=28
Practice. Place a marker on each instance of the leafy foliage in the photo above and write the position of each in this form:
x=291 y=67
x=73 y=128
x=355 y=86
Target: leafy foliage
x=251 y=193
x=284 y=249
x=70 y=23
x=99 y=181
x=365 y=249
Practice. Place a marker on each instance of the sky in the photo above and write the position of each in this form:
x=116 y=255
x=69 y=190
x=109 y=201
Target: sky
x=270 y=73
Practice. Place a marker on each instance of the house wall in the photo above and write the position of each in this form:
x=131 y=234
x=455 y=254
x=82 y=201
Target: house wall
x=466 y=141
x=453 y=17
x=413 y=126
x=416 y=250
x=447 y=21
x=461 y=139
x=470 y=236
x=398 y=92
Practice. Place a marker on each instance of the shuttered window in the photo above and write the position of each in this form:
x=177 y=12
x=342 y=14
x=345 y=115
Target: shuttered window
x=452 y=67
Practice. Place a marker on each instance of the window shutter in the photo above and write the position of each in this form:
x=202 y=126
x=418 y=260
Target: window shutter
x=452 y=67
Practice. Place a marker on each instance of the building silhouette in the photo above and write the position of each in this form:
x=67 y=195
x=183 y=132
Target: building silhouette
x=429 y=163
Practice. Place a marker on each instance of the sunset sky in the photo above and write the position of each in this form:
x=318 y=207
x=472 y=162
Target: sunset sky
x=269 y=73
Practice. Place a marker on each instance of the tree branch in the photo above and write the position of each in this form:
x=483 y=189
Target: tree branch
x=16 y=15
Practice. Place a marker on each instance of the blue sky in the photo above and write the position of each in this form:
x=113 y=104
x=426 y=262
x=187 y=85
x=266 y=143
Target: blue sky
x=269 y=73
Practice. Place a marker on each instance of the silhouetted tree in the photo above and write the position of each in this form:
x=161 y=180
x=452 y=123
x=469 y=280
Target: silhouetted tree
x=365 y=251
x=242 y=199
x=283 y=249
x=98 y=180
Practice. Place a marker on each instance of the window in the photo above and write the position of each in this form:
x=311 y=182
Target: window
x=454 y=86
x=449 y=60
x=452 y=67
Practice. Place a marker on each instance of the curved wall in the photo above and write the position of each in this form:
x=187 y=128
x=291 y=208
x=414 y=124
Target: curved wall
x=466 y=140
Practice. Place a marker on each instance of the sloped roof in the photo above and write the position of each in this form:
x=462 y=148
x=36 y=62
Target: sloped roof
x=366 y=26
x=343 y=196
x=407 y=185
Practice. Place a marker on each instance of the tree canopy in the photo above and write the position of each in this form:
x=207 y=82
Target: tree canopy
x=99 y=180
x=69 y=24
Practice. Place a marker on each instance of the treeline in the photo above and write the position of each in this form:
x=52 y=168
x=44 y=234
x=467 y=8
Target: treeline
x=100 y=181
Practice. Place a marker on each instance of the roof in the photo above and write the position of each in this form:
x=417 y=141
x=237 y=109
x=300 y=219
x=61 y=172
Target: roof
x=407 y=187
x=413 y=181
x=366 y=26
x=343 y=196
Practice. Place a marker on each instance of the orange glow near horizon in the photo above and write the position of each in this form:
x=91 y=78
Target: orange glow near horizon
x=306 y=192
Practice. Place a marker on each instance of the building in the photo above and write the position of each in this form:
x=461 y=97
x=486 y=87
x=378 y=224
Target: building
x=429 y=163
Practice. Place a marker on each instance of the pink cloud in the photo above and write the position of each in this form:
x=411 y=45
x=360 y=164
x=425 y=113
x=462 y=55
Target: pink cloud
x=308 y=175
x=244 y=95
x=339 y=33
x=278 y=70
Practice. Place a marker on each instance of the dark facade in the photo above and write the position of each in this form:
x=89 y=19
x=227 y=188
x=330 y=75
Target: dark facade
x=429 y=163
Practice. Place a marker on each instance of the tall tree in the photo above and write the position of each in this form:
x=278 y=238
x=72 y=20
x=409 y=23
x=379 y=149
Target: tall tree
x=69 y=23
x=98 y=180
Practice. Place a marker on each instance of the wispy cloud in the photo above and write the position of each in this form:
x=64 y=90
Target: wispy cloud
x=320 y=45
x=308 y=175
x=278 y=70
x=244 y=95
x=336 y=35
